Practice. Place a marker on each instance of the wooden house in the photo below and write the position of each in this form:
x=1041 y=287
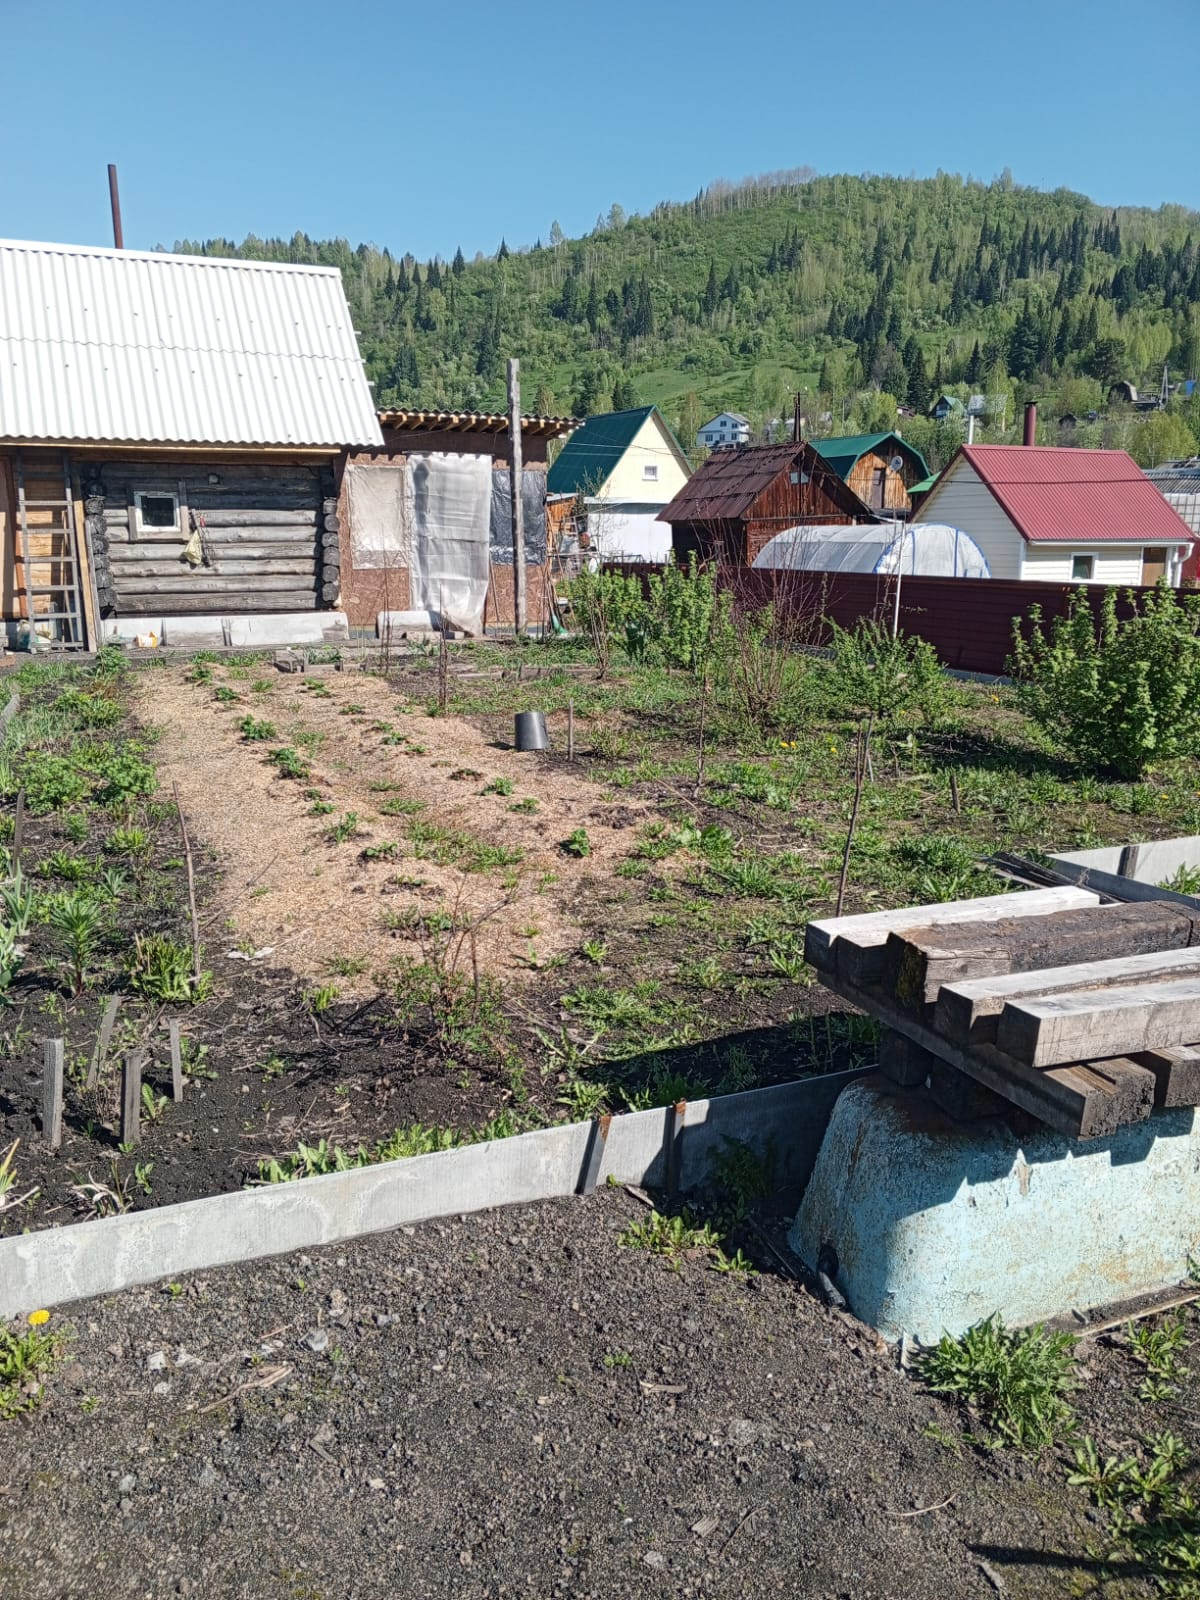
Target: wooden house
x=881 y=468
x=1061 y=515
x=739 y=499
x=426 y=519
x=170 y=430
x=619 y=470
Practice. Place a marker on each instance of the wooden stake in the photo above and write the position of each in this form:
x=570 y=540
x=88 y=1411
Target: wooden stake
x=52 y=1093
x=860 y=773
x=18 y=829
x=103 y=1039
x=518 y=509
x=570 y=730
x=955 y=799
x=176 y=1062
x=191 y=884
x=131 y=1097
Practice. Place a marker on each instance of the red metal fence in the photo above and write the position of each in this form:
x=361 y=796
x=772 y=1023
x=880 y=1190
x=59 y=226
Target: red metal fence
x=968 y=621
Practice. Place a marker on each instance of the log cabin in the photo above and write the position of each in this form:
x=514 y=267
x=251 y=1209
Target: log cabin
x=171 y=428
x=739 y=499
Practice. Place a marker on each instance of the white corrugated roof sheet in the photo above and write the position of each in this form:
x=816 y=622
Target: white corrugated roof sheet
x=143 y=347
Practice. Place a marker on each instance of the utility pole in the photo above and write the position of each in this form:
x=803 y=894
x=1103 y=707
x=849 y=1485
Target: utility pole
x=518 y=509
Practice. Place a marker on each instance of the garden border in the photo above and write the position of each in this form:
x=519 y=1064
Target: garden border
x=57 y=1265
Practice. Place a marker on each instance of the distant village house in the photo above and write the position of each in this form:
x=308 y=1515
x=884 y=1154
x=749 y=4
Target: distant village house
x=729 y=428
x=611 y=481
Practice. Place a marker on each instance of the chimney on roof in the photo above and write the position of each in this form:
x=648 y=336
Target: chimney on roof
x=1030 y=423
x=114 y=200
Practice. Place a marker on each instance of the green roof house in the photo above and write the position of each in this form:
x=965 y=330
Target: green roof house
x=881 y=468
x=624 y=466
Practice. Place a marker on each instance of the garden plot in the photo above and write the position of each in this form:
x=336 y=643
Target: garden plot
x=579 y=1399
x=353 y=828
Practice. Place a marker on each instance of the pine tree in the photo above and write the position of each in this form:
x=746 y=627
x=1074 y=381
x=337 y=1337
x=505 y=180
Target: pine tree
x=459 y=265
x=502 y=253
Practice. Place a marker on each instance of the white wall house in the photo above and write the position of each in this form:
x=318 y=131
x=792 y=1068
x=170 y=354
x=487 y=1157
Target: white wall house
x=728 y=428
x=624 y=466
x=1058 y=515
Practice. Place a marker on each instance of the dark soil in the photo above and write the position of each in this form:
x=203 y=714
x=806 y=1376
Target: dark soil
x=515 y=1404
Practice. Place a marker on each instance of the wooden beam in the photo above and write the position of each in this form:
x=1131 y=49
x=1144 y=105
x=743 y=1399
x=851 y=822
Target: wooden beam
x=1100 y=1022
x=968 y=1011
x=918 y=961
x=1085 y=1100
x=859 y=941
x=1176 y=1074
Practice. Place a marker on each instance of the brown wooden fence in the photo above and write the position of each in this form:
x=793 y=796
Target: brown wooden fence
x=968 y=621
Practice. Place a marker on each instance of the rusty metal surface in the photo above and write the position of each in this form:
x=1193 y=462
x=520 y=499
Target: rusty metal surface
x=755 y=482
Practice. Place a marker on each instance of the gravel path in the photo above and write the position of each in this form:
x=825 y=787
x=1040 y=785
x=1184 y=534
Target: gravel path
x=507 y=1405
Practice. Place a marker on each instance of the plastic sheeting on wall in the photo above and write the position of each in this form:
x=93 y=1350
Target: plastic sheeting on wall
x=380 y=502
x=451 y=516
x=533 y=502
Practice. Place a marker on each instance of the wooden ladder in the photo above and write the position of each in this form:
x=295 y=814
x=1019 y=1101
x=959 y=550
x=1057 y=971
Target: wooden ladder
x=50 y=520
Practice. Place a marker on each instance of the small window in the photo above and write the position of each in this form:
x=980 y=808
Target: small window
x=650 y=471
x=156 y=512
x=1083 y=569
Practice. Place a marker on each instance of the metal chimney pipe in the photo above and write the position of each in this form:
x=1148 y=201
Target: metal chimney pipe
x=1030 y=423
x=115 y=201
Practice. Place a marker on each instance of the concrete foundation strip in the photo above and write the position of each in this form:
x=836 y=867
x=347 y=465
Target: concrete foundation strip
x=57 y=1265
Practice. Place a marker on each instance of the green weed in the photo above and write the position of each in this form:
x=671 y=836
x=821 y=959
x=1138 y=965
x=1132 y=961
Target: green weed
x=1015 y=1382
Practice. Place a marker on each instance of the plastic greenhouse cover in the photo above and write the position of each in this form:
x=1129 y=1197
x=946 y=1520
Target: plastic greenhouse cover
x=451 y=516
x=918 y=549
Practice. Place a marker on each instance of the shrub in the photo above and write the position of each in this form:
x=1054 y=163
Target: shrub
x=123 y=775
x=888 y=678
x=1119 y=693
x=50 y=782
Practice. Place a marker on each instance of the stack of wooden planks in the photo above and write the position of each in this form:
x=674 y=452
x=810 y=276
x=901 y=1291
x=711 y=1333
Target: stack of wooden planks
x=1086 y=1015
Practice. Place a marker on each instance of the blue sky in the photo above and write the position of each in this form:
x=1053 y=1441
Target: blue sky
x=425 y=127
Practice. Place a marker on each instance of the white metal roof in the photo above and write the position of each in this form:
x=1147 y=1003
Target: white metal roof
x=143 y=347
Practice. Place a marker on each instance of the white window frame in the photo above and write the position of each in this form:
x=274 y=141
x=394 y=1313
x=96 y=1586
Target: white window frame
x=155 y=531
x=1084 y=555
x=650 y=471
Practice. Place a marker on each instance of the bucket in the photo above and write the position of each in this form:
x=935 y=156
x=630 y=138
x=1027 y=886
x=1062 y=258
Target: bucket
x=530 y=731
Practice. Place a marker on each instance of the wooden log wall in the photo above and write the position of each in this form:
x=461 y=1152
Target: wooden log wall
x=269 y=535
x=862 y=480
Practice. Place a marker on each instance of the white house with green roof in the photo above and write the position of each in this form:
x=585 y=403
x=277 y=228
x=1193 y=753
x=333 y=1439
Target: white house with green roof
x=623 y=467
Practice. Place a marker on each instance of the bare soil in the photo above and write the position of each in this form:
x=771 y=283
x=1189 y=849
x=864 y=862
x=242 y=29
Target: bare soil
x=516 y=1404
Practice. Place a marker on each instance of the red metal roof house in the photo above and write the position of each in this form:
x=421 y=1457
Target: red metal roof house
x=1061 y=515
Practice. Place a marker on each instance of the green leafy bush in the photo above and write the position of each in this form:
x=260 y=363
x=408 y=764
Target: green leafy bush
x=1118 y=694
x=889 y=678
x=50 y=782
x=123 y=775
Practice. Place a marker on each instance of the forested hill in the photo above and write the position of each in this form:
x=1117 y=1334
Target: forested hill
x=841 y=286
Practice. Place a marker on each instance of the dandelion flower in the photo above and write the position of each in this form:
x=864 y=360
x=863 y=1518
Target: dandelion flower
x=37 y=1318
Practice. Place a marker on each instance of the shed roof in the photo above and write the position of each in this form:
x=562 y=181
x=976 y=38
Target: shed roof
x=843 y=454
x=1176 y=477
x=726 y=485
x=591 y=453
x=138 y=346
x=1057 y=494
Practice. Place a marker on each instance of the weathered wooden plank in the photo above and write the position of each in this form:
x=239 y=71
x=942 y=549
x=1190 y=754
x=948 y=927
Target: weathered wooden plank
x=127 y=557
x=52 y=1093
x=205 y=582
x=902 y=1060
x=869 y=931
x=257 y=517
x=1085 y=1100
x=126 y=572
x=918 y=961
x=968 y=1011
x=1120 y=1020
x=233 y=601
x=1176 y=1074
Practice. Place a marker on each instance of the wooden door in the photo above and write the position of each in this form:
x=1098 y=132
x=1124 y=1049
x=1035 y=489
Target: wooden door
x=1154 y=565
